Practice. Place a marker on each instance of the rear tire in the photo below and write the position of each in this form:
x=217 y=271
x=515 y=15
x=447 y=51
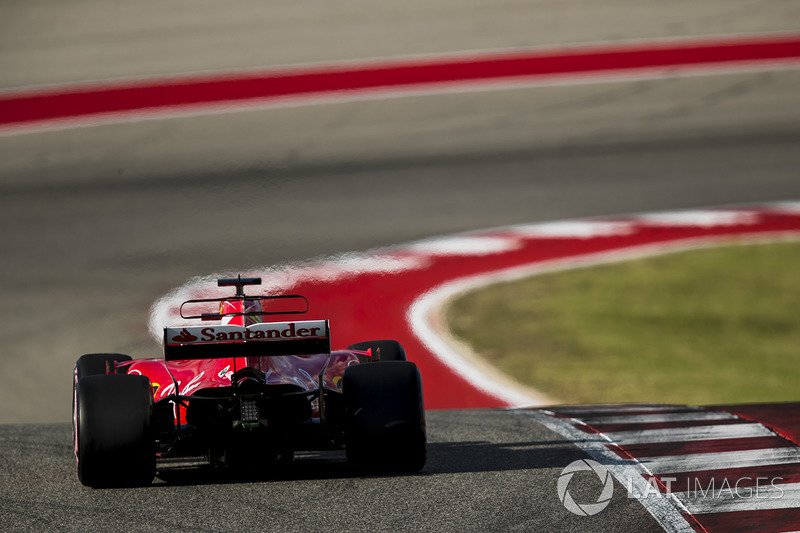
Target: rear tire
x=385 y=417
x=390 y=350
x=114 y=446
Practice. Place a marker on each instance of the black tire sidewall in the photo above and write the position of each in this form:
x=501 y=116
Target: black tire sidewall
x=385 y=416
x=114 y=444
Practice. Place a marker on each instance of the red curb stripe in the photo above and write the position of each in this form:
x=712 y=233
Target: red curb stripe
x=770 y=521
x=186 y=93
x=782 y=418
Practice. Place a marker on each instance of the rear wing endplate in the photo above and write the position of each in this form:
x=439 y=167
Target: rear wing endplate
x=257 y=340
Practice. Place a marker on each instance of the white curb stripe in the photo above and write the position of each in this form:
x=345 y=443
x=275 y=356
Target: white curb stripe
x=674 y=464
x=731 y=499
x=580 y=229
x=618 y=410
x=665 y=417
x=478 y=245
x=690 y=434
x=790 y=208
x=702 y=218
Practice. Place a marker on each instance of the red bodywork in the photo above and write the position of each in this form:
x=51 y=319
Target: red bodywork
x=186 y=377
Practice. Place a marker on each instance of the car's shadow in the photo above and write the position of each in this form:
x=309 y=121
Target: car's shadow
x=443 y=458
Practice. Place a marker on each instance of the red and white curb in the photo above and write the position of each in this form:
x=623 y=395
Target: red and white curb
x=695 y=469
x=399 y=292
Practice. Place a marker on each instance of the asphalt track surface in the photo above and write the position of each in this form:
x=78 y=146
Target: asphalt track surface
x=99 y=222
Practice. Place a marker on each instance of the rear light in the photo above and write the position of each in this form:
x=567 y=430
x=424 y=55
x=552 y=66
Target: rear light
x=249 y=413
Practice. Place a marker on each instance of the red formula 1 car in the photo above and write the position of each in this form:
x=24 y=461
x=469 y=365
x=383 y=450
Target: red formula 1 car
x=246 y=394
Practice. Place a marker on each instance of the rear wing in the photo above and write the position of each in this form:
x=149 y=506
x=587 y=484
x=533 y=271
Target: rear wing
x=256 y=340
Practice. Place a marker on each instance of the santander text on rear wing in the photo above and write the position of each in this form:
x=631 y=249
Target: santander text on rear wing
x=256 y=340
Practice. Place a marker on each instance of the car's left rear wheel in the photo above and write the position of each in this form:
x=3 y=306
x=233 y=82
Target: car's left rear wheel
x=114 y=446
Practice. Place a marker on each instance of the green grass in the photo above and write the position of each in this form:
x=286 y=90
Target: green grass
x=710 y=326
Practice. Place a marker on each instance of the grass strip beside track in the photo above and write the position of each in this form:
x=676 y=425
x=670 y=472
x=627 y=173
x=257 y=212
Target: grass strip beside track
x=698 y=327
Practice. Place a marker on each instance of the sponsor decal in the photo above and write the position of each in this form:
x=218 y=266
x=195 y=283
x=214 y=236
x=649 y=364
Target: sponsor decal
x=193 y=384
x=316 y=329
x=211 y=334
x=184 y=336
x=225 y=373
x=169 y=390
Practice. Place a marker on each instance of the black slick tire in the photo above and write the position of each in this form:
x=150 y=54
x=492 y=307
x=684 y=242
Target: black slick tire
x=384 y=417
x=114 y=445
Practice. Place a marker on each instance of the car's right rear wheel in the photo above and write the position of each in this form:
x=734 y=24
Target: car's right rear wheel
x=385 y=417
